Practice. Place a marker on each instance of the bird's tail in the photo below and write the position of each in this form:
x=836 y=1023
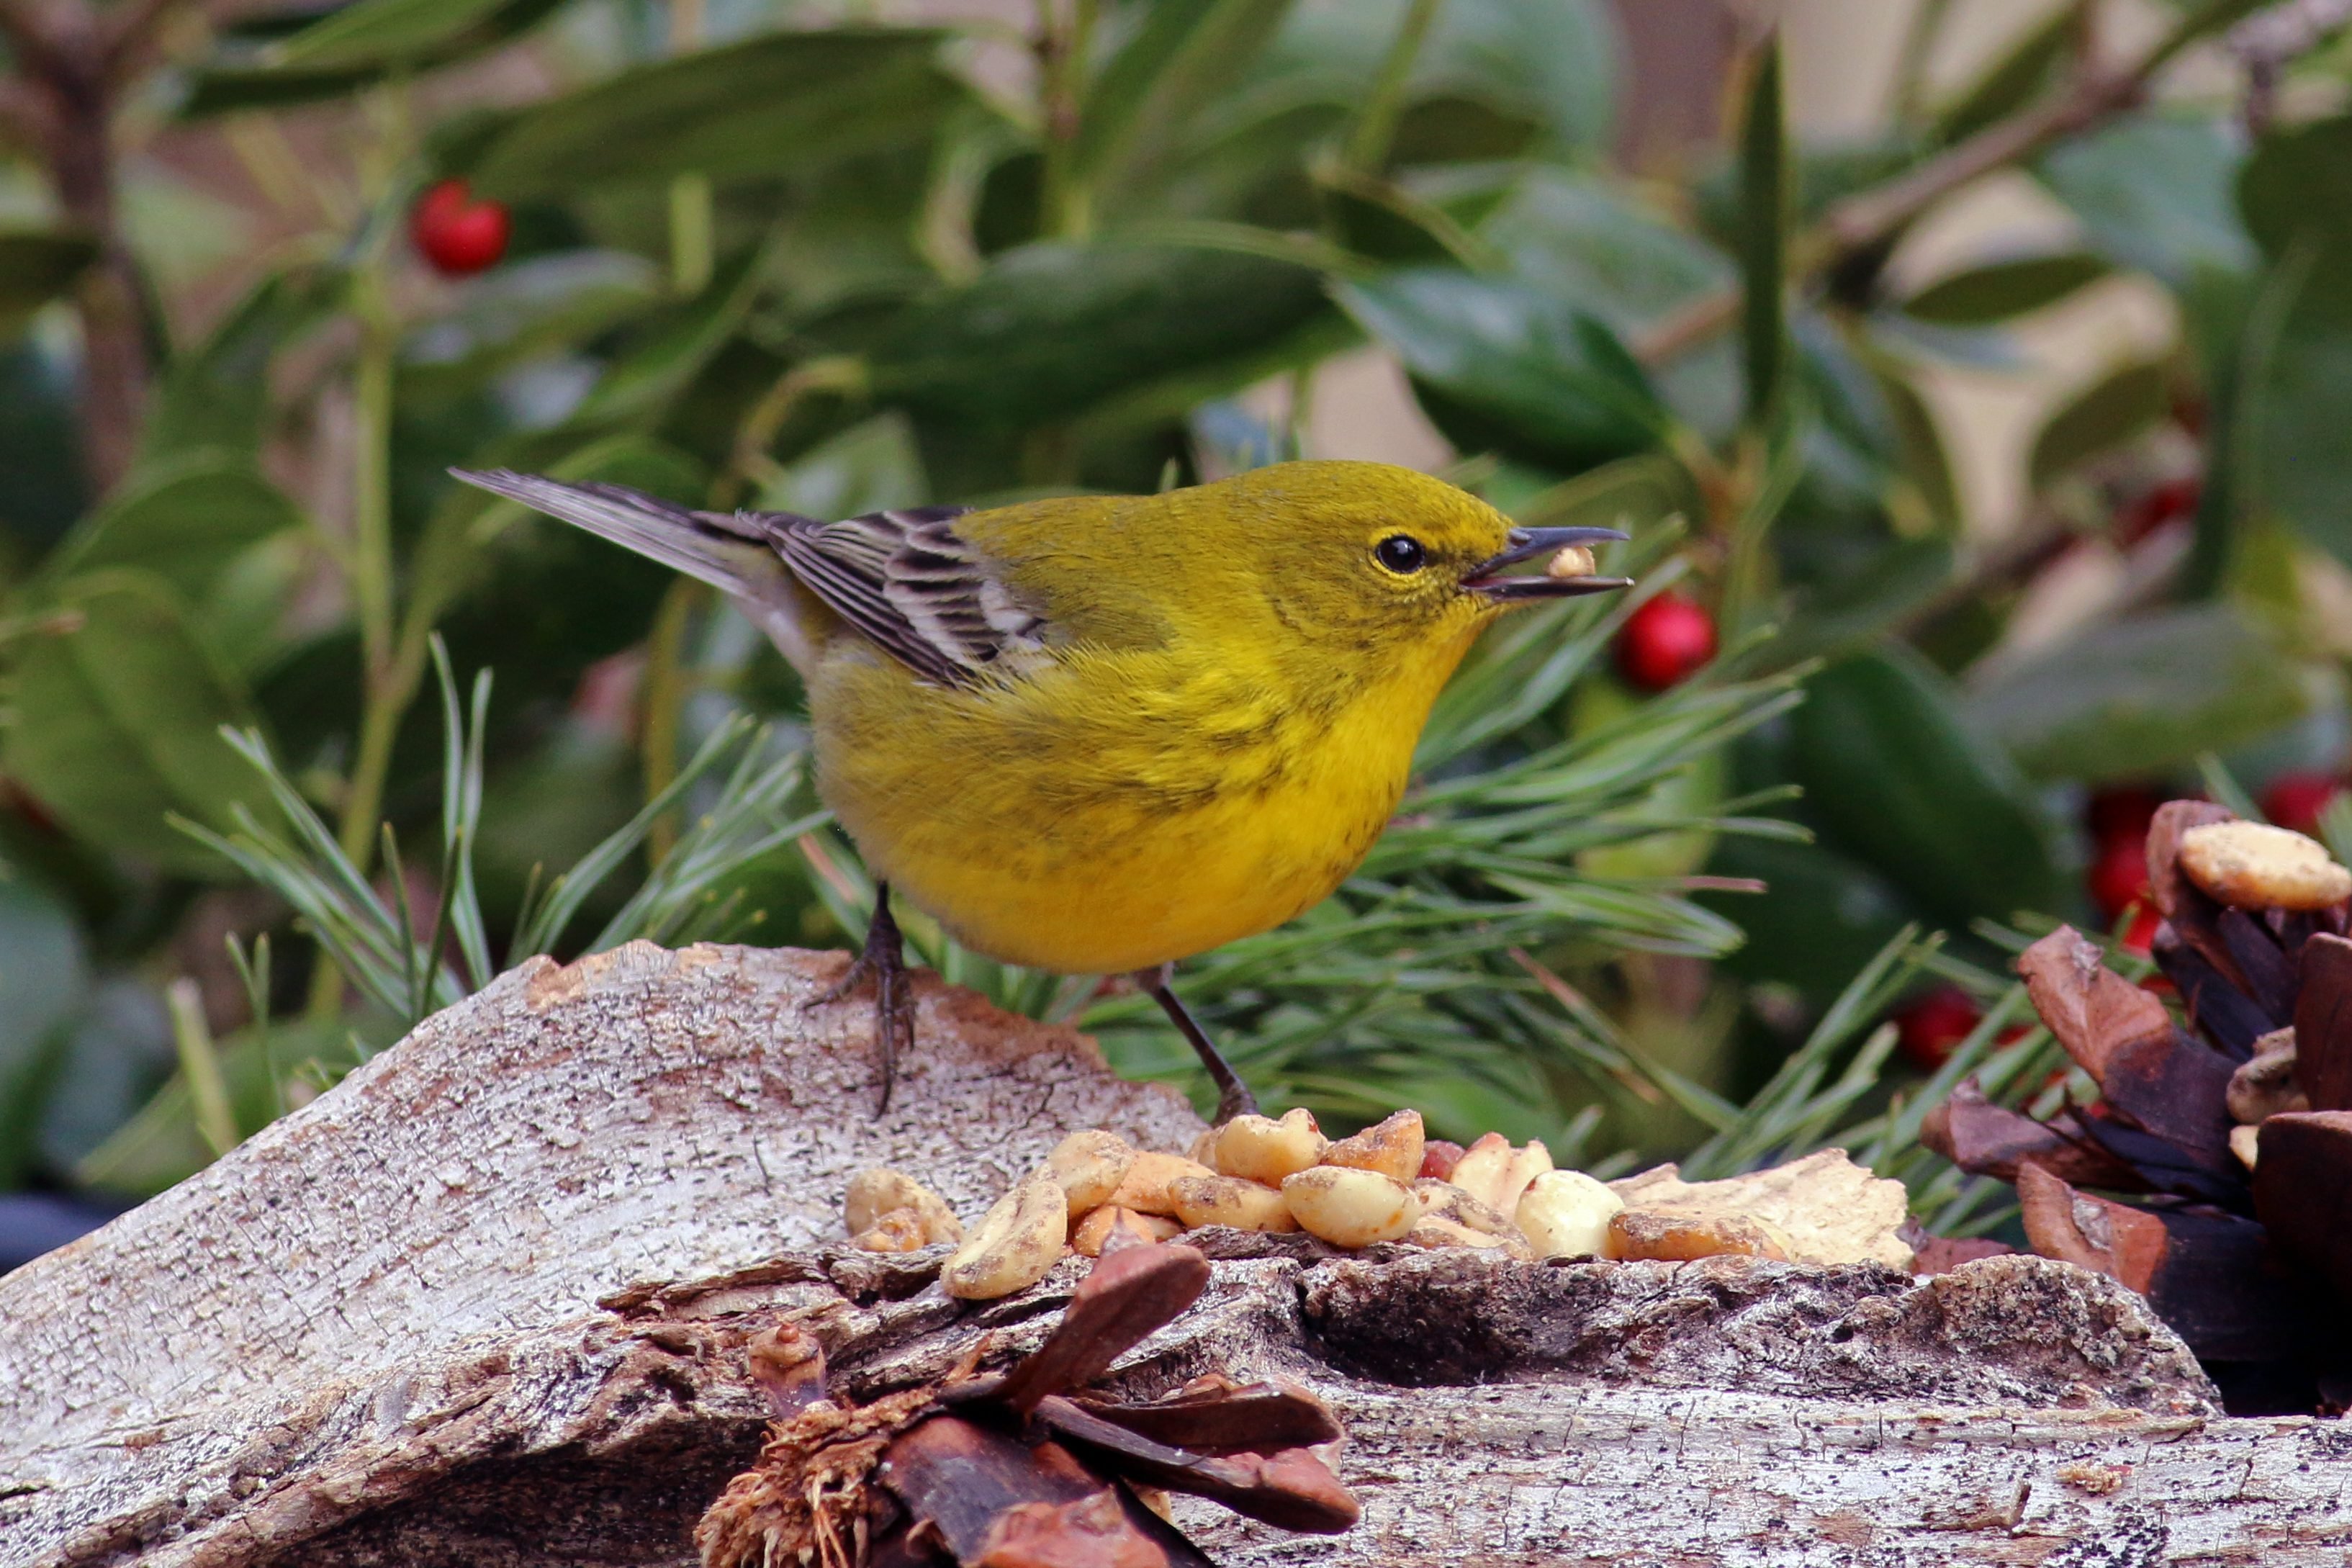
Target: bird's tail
x=723 y=551
x=731 y=553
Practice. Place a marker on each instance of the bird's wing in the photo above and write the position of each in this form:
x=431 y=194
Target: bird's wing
x=916 y=589
x=904 y=579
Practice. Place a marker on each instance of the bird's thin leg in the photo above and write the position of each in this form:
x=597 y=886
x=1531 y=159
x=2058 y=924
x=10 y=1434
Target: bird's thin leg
x=882 y=959
x=1233 y=1097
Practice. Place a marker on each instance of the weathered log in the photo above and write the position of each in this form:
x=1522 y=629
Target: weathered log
x=487 y=1303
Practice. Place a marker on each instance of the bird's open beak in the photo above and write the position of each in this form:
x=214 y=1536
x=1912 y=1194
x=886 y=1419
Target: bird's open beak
x=1493 y=578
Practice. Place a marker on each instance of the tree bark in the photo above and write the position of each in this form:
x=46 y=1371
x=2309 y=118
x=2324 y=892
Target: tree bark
x=485 y=1303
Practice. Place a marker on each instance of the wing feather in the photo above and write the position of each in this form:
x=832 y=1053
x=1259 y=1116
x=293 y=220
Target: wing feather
x=919 y=590
x=903 y=579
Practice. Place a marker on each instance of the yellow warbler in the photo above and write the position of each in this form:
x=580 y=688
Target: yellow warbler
x=1097 y=735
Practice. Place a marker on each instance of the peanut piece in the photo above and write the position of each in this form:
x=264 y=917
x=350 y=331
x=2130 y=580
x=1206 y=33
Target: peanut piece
x=1098 y=1228
x=1260 y=1149
x=1678 y=1238
x=1016 y=1242
x=1569 y=561
x=1495 y=1173
x=1144 y=1187
x=1566 y=1214
x=1088 y=1167
x=2246 y=1143
x=1229 y=1200
x=900 y=1230
x=1392 y=1147
x=2253 y=866
x=879 y=1190
x=1438 y=1158
x=1435 y=1232
x=1443 y=1200
x=1348 y=1208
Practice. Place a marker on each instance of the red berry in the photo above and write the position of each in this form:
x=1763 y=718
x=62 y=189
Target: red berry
x=2295 y=800
x=2118 y=877
x=1929 y=1028
x=2123 y=813
x=1665 y=642
x=458 y=234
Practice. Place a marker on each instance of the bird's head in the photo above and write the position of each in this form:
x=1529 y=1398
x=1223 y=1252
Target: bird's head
x=1369 y=554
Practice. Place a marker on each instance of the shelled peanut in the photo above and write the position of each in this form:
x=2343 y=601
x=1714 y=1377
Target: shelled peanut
x=1094 y=1192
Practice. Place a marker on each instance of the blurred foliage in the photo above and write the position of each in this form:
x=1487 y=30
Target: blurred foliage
x=777 y=256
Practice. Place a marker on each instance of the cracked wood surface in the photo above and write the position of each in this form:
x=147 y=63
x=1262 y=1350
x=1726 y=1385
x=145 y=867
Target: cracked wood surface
x=399 y=1328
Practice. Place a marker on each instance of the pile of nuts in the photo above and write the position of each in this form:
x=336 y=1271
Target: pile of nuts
x=1387 y=1184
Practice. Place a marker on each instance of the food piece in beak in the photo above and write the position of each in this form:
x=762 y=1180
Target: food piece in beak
x=1574 y=561
x=1568 y=569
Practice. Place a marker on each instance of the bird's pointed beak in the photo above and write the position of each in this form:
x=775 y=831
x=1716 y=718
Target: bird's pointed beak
x=1563 y=575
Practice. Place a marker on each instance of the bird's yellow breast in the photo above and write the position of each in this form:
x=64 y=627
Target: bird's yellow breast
x=1119 y=809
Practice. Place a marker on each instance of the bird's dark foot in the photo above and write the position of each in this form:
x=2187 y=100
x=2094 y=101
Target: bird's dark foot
x=1234 y=1097
x=882 y=962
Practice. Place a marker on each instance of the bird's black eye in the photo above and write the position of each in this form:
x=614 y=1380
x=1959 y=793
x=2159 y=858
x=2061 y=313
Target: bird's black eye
x=1400 y=554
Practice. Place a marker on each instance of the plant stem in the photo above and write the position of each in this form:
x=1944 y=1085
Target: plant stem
x=200 y=1065
x=383 y=695
x=690 y=195
x=765 y=419
x=690 y=241
x=1065 y=207
x=1375 y=128
x=664 y=705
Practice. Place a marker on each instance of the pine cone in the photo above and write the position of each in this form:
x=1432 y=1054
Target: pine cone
x=2225 y=1132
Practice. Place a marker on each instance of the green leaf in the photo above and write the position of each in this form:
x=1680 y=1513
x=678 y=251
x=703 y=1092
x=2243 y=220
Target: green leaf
x=2156 y=192
x=1898 y=581
x=37 y=266
x=2297 y=186
x=1919 y=445
x=1764 y=198
x=524 y=309
x=1894 y=773
x=1575 y=237
x=2003 y=291
x=2101 y=418
x=778 y=104
x=44 y=981
x=1505 y=366
x=2300 y=465
x=369 y=32
x=39 y=446
x=673 y=348
x=1553 y=63
x=1049 y=329
x=1136 y=108
x=184 y=521
x=1820 y=918
x=2138 y=698
x=119 y=704
x=2011 y=81
x=217 y=395
x=357 y=45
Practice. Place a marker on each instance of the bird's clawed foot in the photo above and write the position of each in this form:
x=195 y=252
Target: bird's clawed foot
x=1233 y=1096
x=882 y=961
